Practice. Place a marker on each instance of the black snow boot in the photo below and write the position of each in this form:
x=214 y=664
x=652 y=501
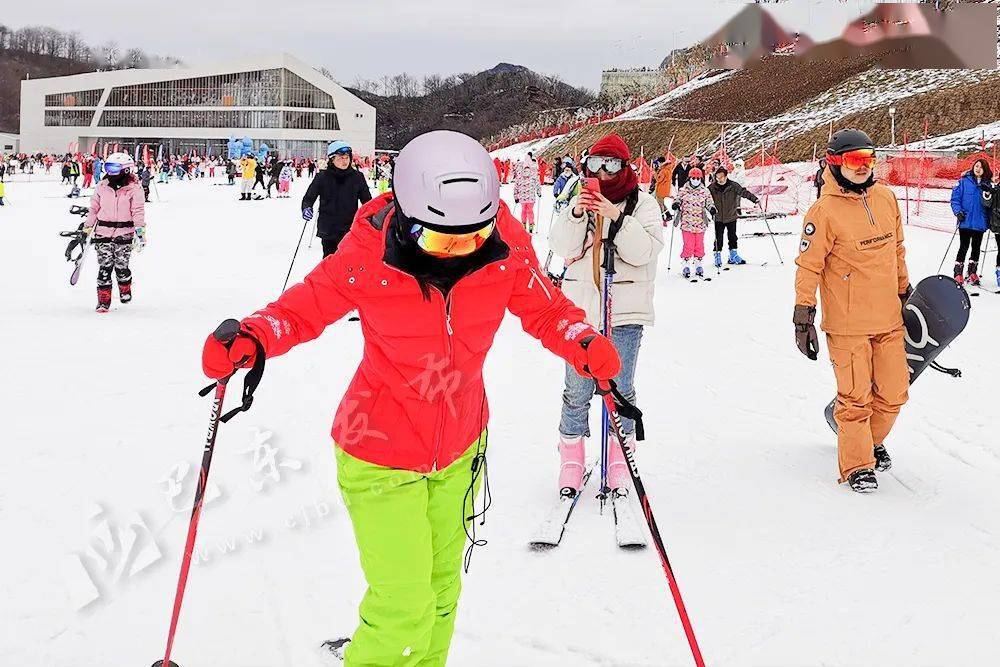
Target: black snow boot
x=863 y=481
x=882 y=459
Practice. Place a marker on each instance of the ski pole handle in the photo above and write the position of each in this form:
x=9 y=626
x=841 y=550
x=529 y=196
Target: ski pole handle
x=225 y=333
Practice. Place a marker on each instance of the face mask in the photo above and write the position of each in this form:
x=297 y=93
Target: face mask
x=695 y=182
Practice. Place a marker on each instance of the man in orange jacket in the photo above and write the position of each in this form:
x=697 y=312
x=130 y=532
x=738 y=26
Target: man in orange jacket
x=664 y=173
x=852 y=249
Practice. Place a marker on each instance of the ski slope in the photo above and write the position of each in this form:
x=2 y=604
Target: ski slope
x=778 y=565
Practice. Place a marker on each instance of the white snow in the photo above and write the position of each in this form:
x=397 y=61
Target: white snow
x=777 y=563
x=970 y=139
x=515 y=152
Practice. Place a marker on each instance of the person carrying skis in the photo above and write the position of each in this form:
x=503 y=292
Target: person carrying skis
x=526 y=190
x=340 y=189
x=972 y=217
x=693 y=208
x=631 y=218
x=431 y=267
x=726 y=194
x=117 y=217
x=852 y=250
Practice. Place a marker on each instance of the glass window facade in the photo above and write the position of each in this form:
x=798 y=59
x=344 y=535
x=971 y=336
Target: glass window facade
x=68 y=118
x=262 y=88
x=80 y=98
x=253 y=120
x=310 y=120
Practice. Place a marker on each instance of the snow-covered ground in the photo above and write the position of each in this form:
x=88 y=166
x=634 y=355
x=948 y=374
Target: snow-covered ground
x=778 y=564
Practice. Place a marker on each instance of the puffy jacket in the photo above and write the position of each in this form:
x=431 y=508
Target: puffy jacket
x=526 y=182
x=638 y=243
x=696 y=204
x=664 y=175
x=126 y=204
x=339 y=195
x=417 y=400
x=248 y=167
x=852 y=249
x=727 y=199
x=967 y=197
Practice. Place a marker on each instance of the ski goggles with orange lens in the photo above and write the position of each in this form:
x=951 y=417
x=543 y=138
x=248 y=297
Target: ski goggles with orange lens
x=437 y=243
x=863 y=157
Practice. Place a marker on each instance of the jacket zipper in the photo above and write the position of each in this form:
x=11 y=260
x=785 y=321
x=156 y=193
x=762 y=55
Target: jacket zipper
x=864 y=202
x=449 y=332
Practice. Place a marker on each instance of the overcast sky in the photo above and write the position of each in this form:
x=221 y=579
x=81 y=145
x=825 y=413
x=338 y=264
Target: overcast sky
x=575 y=40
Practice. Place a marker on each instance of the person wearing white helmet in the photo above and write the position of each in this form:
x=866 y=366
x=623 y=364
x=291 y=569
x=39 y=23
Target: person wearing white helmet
x=117 y=218
x=340 y=188
x=431 y=267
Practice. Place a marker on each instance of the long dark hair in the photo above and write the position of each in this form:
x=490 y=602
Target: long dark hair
x=987 y=172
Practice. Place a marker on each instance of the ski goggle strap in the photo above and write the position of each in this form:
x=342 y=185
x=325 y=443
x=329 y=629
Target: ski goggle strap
x=443 y=244
x=862 y=157
x=612 y=165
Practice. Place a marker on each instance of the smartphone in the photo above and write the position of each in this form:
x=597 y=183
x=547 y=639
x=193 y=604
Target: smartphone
x=592 y=184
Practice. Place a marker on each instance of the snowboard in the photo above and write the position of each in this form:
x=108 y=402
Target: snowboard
x=934 y=315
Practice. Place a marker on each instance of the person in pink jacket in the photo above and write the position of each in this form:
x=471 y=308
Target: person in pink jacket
x=694 y=207
x=117 y=218
x=526 y=190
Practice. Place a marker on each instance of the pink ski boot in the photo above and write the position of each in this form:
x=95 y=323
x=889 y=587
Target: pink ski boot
x=618 y=474
x=571 y=453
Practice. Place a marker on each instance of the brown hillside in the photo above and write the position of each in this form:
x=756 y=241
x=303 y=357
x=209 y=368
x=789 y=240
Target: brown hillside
x=14 y=67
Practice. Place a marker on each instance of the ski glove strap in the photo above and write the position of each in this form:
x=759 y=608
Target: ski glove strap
x=624 y=407
x=805 y=332
x=226 y=333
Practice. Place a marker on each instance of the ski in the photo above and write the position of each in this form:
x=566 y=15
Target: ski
x=629 y=529
x=78 y=263
x=550 y=533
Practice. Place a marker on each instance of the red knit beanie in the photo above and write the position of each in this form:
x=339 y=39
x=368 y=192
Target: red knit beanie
x=612 y=146
x=625 y=180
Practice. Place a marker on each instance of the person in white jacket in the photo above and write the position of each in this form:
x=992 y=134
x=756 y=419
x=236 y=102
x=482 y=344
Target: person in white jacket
x=620 y=208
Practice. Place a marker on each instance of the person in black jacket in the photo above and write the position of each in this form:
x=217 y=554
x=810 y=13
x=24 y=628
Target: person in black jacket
x=273 y=173
x=259 y=175
x=680 y=175
x=341 y=189
x=727 y=195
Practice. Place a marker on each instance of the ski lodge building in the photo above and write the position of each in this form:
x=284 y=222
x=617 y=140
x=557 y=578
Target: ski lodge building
x=274 y=99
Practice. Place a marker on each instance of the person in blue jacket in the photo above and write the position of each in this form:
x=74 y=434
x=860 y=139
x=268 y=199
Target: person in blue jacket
x=98 y=169
x=967 y=205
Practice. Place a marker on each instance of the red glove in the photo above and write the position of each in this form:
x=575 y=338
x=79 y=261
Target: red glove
x=219 y=360
x=597 y=358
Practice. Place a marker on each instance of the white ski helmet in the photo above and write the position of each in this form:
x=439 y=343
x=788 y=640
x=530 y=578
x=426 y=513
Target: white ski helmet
x=446 y=178
x=118 y=163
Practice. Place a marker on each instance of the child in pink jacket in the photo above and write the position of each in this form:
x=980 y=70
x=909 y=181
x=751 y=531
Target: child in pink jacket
x=526 y=191
x=117 y=218
x=696 y=207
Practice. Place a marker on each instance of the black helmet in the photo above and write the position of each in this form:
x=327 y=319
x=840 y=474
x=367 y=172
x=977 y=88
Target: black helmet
x=848 y=140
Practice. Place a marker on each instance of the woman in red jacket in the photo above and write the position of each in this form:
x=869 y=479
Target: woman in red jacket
x=431 y=268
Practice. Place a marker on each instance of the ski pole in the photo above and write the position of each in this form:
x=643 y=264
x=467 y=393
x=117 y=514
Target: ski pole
x=312 y=235
x=670 y=252
x=771 y=234
x=295 y=254
x=226 y=333
x=948 y=249
x=615 y=403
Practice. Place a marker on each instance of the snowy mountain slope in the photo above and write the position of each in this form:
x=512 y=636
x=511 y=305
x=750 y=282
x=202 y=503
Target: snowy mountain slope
x=778 y=565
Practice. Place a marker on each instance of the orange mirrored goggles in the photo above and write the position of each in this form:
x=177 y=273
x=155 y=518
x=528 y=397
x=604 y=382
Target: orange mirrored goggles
x=862 y=157
x=442 y=244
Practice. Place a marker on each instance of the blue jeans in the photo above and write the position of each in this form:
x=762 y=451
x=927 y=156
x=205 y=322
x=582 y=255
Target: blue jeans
x=579 y=390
